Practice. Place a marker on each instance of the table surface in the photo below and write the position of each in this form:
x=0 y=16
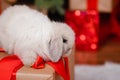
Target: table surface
x=110 y=51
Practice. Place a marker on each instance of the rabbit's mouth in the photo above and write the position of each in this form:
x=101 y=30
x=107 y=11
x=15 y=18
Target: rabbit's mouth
x=67 y=51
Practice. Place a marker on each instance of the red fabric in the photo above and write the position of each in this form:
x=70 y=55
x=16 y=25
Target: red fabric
x=8 y=67
x=39 y=63
x=61 y=67
x=2 y=50
x=92 y=4
x=10 y=64
x=67 y=67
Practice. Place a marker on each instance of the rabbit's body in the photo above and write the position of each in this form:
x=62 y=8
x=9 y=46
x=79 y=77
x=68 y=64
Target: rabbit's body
x=26 y=33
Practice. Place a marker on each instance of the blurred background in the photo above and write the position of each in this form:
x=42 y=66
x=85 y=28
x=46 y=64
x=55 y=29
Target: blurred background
x=96 y=24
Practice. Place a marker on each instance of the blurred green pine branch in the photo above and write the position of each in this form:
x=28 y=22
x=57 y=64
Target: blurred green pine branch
x=50 y=4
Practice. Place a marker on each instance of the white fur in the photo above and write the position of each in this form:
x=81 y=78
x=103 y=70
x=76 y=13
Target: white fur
x=27 y=33
x=66 y=33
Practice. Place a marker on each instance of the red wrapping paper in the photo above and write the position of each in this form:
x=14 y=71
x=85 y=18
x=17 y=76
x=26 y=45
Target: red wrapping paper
x=8 y=66
x=2 y=50
x=92 y=5
x=85 y=25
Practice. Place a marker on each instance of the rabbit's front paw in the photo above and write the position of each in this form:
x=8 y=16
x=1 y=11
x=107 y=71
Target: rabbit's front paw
x=29 y=60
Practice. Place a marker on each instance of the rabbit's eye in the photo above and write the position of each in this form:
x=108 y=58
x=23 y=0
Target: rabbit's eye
x=64 y=41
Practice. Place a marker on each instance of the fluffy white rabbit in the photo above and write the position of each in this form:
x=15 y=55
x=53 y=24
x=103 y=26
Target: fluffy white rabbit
x=67 y=35
x=28 y=33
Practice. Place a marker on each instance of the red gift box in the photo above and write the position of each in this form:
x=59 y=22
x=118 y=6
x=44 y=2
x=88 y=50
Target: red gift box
x=85 y=25
x=12 y=69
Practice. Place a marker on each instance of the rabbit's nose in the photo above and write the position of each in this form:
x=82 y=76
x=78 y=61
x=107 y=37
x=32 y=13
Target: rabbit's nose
x=68 y=49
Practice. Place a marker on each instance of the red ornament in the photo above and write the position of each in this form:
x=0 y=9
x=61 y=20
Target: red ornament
x=93 y=46
x=77 y=13
x=82 y=37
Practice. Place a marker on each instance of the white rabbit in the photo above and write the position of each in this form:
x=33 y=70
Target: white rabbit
x=67 y=35
x=28 y=33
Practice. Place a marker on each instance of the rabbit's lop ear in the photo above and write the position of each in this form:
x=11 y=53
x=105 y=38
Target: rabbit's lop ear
x=55 y=49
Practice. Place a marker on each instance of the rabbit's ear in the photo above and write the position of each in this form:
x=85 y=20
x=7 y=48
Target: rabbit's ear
x=55 y=49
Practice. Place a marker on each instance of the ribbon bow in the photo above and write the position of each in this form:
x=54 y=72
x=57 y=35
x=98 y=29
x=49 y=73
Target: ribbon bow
x=61 y=67
x=10 y=64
